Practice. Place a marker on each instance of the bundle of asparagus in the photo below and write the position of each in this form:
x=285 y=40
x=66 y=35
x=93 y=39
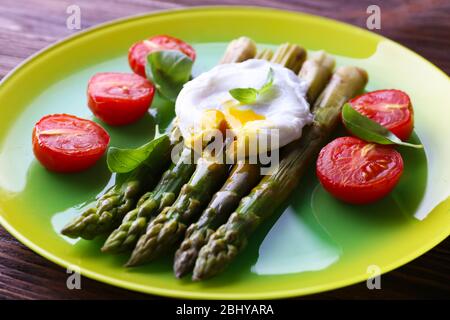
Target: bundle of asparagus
x=316 y=72
x=185 y=189
x=169 y=226
x=112 y=206
x=273 y=190
x=165 y=193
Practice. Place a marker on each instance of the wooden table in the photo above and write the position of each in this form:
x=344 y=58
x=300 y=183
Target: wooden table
x=29 y=25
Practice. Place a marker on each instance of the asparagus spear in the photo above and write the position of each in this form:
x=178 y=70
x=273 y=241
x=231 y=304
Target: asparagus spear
x=243 y=178
x=316 y=71
x=230 y=239
x=238 y=50
x=169 y=226
x=165 y=193
x=111 y=207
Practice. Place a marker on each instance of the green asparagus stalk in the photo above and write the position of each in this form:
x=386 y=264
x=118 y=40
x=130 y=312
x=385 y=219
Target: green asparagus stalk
x=242 y=179
x=316 y=71
x=135 y=222
x=169 y=226
x=112 y=206
x=273 y=190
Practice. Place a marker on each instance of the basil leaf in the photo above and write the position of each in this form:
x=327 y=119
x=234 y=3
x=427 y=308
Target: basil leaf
x=126 y=160
x=249 y=95
x=244 y=95
x=369 y=130
x=169 y=70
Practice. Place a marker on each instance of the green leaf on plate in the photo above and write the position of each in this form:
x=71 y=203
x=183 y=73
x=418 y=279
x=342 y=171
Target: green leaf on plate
x=249 y=95
x=126 y=160
x=169 y=70
x=369 y=130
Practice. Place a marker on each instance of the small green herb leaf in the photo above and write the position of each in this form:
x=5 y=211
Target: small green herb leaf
x=244 y=95
x=169 y=70
x=369 y=130
x=249 y=95
x=126 y=160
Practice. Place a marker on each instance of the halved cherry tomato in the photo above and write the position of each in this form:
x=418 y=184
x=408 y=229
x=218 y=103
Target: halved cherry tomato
x=390 y=108
x=137 y=54
x=65 y=143
x=358 y=172
x=119 y=98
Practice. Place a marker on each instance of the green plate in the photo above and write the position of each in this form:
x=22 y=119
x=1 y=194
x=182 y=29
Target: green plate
x=316 y=244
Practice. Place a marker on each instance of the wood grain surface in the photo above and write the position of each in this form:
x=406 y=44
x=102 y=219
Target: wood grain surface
x=27 y=26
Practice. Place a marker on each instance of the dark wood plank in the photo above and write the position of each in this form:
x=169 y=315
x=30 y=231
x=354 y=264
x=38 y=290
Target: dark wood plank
x=27 y=26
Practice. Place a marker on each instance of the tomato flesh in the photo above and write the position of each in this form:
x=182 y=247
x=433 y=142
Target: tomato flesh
x=390 y=108
x=137 y=54
x=358 y=172
x=65 y=143
x=119 y=98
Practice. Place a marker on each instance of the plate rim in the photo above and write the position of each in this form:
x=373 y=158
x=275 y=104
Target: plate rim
x=278 y=294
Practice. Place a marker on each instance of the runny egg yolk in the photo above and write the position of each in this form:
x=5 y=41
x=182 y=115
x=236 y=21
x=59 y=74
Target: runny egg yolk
x=238 y=118
x=230 y=118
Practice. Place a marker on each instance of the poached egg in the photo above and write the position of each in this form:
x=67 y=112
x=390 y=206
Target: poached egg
x=279 y=114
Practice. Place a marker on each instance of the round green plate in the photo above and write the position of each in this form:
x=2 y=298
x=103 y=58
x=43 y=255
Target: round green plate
x=316 y=244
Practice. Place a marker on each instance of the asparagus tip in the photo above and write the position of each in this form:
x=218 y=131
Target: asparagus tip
x=113 y=244
x=178 y=270
x=179 y=274
x=66 y=232
x=71 y=232
x=132 y=263
x=108 y=249
x=203 y=274
x=195 y=278
x=135 y=258
x=184 y=263
x=140 y=254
